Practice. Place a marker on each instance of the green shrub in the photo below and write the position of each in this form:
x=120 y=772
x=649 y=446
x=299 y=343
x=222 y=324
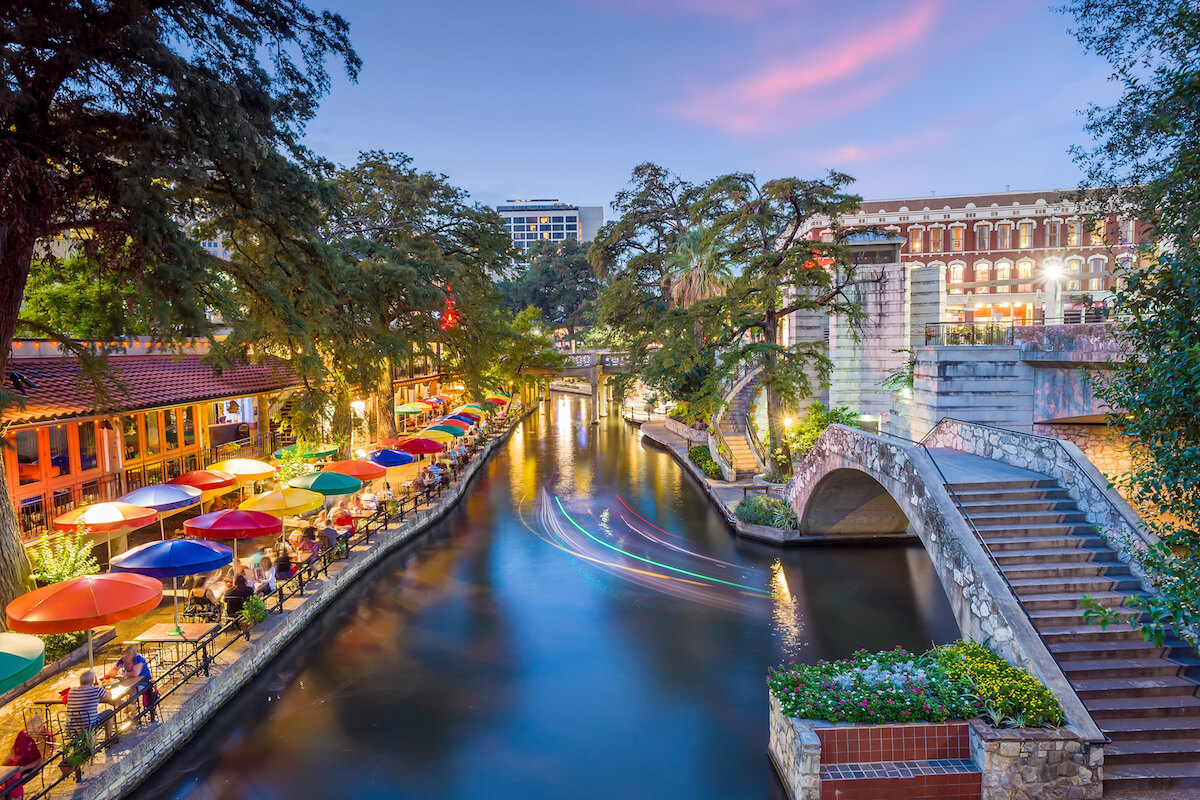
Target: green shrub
x=69 y=556
x=803 y=436
x=704 y=460
x=59 y=644
x=1011 y=697
x=771 y=511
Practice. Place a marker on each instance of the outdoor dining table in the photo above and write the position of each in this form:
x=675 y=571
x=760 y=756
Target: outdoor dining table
x=190 y=633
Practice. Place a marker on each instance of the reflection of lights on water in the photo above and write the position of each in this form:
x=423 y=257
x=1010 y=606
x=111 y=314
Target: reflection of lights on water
x=784 y=609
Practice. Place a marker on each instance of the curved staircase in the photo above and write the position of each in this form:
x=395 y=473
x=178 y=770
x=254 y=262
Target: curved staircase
x=733 y=431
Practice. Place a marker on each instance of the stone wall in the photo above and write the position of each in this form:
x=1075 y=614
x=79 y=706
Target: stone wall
x=1107 y=450
x=1036 y=762
x=983 y=383
x=863 y=357
x=796 y=752
x=691 y=434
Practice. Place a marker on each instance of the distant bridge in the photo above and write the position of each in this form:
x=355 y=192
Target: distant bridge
x=595 y=366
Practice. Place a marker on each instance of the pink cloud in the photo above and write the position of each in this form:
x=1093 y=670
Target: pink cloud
x=767 y=101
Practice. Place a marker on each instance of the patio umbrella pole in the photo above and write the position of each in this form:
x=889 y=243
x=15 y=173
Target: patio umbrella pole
x=91 y=657
x=161 y=528
x=175 y=601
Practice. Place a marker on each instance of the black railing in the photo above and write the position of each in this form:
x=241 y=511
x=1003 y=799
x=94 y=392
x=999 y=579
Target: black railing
x=996 y=333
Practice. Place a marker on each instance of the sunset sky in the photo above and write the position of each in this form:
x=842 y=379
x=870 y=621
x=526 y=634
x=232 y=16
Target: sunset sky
x=562 y=98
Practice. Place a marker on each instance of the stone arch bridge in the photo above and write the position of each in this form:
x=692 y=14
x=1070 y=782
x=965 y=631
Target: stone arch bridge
x=594 y=366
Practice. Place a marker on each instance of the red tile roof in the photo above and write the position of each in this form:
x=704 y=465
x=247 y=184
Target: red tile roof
x=134 y=382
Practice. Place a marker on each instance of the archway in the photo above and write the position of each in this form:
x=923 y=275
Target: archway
x=849 y=501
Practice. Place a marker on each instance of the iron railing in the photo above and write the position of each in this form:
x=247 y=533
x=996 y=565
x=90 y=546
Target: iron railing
x=993 y=333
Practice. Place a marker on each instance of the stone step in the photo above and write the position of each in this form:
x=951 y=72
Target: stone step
x=1072 y=600
x=1056 y=634
x=1051 y=571
x=1003 y=486
x=1009 y=495
x=1028 y=587
x=1150 y=751
x=994 y=521
x=1158 y=686
x=1026 y=531
x=1107 y=708
x=1127 y=777
x=1067 y=650
x=1067 y=617
x=1137 y=729
x=1049 y=555
x=1024 y=506
x=1004 y=544
x=1131 y=667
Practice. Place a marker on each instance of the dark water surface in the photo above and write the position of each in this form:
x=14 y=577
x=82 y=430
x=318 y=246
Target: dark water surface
x=583 y=625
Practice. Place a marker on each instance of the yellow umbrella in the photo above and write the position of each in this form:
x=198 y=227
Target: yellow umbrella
x=284 y=502
x=434 y=435
x=245 y=469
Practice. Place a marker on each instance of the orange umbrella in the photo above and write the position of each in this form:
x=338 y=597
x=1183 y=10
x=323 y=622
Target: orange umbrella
x=83 y=603
x=112 y=516
x=363 y=470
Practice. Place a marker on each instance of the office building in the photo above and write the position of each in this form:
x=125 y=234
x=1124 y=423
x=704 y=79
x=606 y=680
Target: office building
x=529 y=221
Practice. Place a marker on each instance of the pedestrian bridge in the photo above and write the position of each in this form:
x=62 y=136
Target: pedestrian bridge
x=595 y=366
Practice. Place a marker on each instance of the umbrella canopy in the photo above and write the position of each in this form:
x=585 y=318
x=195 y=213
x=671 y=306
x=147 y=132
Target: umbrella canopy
x=233 y=523
x=409 y=409
x=465 y=418
x=475 y=407
x=363 y=470
x=21 y=657
x=470 y=414
x=390 y=458
x=439 y=398
x=173 y=558
x=307 y=450
x=83 y=603
x=163 y=496
x=500 y=401
x=436 y=435
x=454 y=423
x=327 y=483
x=206 y=480
x=433 y=400
x=283 y=502
x=245 y=469
x=453 y=430
x=420 y=446
x=113 y=516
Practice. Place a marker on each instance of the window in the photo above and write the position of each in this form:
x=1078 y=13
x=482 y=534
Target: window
x=1053 y=233
x=1096 y=265
x=982 y=237
x=956 y=277
x=916 y=240
x=1004 y=236
x=544 y=220
x=956 y=238
x=60 y=451
x=935 y=240
x=1025 y=272
x=134 y=479
x=129 y=435
x=556 y=219
x=1127 y=231
x=1097 y=233
x=170 y=430
x=1025 y=235
x=1074 y=233
x=153 y=443
x=1003 y=273
x=29 y=469
x=87 y=446
x=1095 y=284
x=189 y=426
x=983 y=272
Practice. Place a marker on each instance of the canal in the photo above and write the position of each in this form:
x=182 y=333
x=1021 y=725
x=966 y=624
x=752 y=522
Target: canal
x=583 y=625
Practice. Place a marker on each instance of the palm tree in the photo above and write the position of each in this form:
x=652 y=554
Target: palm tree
x=699 y=270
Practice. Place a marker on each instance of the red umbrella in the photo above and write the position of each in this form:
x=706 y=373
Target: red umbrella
x=205 y=479
x=500 y=401
x=233 y=523
x=455 y=423
x=420 y=446
x=468 y=414
x=363 y=470
x=83 y=603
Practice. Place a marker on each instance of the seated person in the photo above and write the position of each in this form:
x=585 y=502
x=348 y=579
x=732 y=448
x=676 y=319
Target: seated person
x=264 y=577
x=308 y=549
x=83 y=705
x=236 y=597
x=283 y=566
x=368 y=501
x=216 y=585
x=341 y=520
x=29 y=750
x=131 y=668
x=387 y=493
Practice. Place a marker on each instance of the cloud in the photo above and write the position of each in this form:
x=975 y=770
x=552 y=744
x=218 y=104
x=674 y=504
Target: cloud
x=784 y=95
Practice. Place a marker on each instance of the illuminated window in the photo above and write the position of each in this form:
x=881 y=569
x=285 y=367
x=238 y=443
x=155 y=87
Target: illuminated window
x=1003 y=236
x=1127 y=231
x=189 y=426
x=982 y=237
x=153 y=445
x=956 y=276
x=170 y=429
x=956 y=238
x=1097 y=233
x=29 y=469
x=1025 y=235
x=129 y=436
x=983 y=272
x=1003 y=273
x=1053 y=233
x=1095 y=284
x=1074 y=232
x=87 y=446
x=916 y=240
x=935 y=240
x=1024 y=272
x=544 y=220
x=60 y=451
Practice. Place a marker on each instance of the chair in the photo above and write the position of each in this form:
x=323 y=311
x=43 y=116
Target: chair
x=233 y=606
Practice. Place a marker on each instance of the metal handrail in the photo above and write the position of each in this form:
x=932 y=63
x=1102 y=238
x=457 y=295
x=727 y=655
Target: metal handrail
x=752 y=435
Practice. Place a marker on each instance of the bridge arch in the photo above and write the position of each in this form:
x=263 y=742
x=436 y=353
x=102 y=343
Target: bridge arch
x=850 y=501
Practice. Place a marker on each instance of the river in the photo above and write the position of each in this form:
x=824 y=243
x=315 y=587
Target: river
x=582 y=625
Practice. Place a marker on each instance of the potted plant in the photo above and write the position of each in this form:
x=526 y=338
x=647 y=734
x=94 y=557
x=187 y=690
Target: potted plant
x=254 y=611
x=79 y=748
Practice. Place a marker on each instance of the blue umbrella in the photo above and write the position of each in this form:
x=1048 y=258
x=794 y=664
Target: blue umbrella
x=163 y=497
x=467 y=420
x=171 y=559
x=390 y=458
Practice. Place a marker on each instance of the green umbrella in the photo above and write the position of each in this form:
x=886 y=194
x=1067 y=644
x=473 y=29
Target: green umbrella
x=307 y=450
x=450 y=429
x=409 y=409
x=326 y=483
x=21 y=657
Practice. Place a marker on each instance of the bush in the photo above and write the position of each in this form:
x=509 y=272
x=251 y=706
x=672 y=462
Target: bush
x=802 y=437
x=704 y=460
x=59 y=644
x=761 y=510
x=958 y=681
x=69 y=556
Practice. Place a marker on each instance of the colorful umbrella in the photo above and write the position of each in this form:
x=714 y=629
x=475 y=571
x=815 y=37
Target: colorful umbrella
x=409 y=409
x=163 y=497
x=21 y=657
x=363 y=470
x=453 y=423
x=83 y=603
x=245 y=469
x=436 y=435
x=327 y=483
x=433 y=400
x=234 y=523
x=307 y=450
x=420 y=446
x=464 y=418
x=390 y=458
x=112 y=516
x=283 y=502
x=453 y=430
x=171 y=559
x=475 y=406
x=474 y=416
x=206 y=480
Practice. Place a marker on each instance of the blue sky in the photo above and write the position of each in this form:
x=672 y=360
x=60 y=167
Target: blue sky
x=562 y=98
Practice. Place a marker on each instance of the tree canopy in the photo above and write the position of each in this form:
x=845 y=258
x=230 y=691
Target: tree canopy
x=559 y=282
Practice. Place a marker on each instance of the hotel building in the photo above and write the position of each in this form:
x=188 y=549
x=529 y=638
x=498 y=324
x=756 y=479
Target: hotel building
x=529 y=221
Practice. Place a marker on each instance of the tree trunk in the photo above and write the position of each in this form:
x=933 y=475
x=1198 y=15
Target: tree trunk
x=15 y=578
x=341 y=422
x=385 y=403
x=777 y=444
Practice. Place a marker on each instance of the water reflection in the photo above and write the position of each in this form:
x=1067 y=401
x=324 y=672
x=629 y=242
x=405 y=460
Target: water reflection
x=583 y=625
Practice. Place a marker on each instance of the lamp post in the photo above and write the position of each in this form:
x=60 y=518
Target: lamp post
x=1052 y=270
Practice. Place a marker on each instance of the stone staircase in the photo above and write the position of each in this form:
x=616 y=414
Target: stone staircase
x=733 y=430
x=1145 y=698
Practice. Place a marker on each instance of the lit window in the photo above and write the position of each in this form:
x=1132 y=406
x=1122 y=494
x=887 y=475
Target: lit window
x=982 y=273
x=982 y=237
x=1097 y=233
x=1025 y=235
x=1003 y=273
x=87 y=446
x=956 y=276
x=935 y=240
x=544 y=220
x=28 y=468
x=916 y=240
x=1053 y=232
x=1095 y=284
x=1074 y=233
x=956 y=238
x=1025 y=272
x=1003 y=236
x=129 y=436
x=60 y=451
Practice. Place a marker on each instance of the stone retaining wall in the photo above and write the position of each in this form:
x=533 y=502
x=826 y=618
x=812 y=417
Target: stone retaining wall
x=691 y=434
x=123 y=777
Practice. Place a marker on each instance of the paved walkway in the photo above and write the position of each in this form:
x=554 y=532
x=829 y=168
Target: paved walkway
x=727 y=492
x=960 y=467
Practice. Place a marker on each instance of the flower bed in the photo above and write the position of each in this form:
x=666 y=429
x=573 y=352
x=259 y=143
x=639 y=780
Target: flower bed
x=957 y=681
x=704 y=460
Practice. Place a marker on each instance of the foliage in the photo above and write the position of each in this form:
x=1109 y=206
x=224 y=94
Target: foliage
x=68 y=556
x=254 y=611
x=688 y=413
x=59 y=644
x=900 y=379
x=523 y=347
x=78 y=297
x=958 y=681
x=79 y=747
x=770 y=511
x=292 y=464
x=1145 y=165
x=558 y=281
x=802 y=436
x=704 y=460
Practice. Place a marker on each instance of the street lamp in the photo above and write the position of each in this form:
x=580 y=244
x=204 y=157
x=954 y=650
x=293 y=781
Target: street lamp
x=1052 y=270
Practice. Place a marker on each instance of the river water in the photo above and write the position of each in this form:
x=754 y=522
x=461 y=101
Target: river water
x=583 y=625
